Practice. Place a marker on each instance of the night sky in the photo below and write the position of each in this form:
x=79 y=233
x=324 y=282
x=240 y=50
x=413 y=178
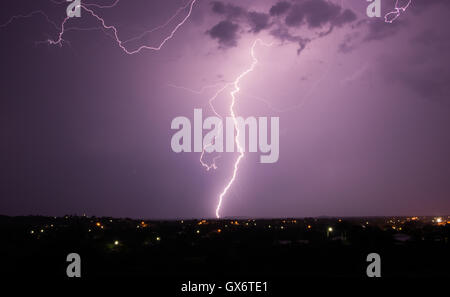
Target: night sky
x=363 y=104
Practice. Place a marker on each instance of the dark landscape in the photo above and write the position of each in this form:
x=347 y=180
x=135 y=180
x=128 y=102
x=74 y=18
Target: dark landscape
x=220 y=249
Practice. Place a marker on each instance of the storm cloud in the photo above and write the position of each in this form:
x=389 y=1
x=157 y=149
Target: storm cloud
x=281 y=19
x=226 y=33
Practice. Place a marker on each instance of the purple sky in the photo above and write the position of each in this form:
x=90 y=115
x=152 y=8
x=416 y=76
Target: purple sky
x=363 y=104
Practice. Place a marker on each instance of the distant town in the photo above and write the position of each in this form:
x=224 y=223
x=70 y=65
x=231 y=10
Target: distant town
x=408 y=246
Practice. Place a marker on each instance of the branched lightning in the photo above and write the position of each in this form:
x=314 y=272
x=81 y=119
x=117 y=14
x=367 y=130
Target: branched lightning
x=223 y=87
x=235 y=85
x=22 y=16
x=210 y=102
x=119 y=42
x=235 y=90
x=163 y=25
x=233 y=93
x=115 y=35
x=102 y=6
x=393 y=15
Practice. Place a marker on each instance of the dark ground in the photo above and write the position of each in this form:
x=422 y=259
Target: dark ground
x=242 y=250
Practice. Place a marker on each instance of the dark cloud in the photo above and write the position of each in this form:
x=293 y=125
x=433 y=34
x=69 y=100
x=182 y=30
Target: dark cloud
x=218 y=7
x=378 y=29
x=295 y=16
x=280 y=8
x=345 y=17
x=226 y=32
x=319 y=12
x=315 y=13
x=258 y=21
x=230 y=11
x=302 y=42
x=283 y=34
x=372 y=30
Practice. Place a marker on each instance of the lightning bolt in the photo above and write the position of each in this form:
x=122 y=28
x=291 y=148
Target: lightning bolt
x=236 y=89
x=210 y=102
x=22 y=16
x=102 y=6
x=235 y=84
x=119 y=42
x=233 y=93
x=115 y=35
x=223 y=87
x=163 y=25
x=393 y=15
